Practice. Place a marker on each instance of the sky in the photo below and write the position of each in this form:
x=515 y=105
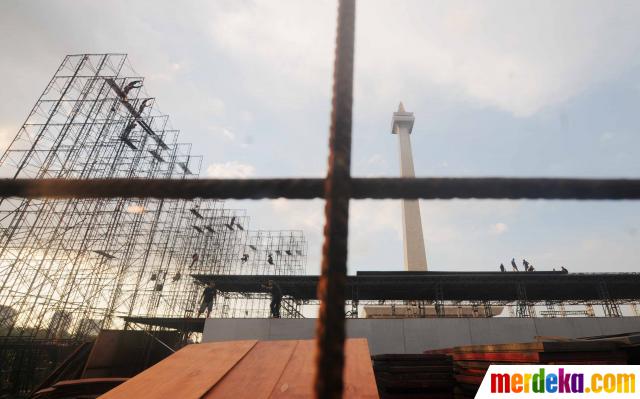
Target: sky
x=518 y=88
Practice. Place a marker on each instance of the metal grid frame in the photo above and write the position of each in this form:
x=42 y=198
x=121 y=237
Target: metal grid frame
x=71 y=267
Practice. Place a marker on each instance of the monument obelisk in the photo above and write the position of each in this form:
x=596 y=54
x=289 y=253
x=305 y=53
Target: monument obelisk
x=415 y=257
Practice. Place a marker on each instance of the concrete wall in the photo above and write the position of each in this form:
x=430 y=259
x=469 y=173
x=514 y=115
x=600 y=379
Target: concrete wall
x=417 y=335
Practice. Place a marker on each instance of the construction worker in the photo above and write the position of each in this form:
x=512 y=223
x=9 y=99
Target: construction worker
x=525 y=264
x=564 y=269
x=208 y=298
x=502 y=268
x=270 y=259
x=245 y=258
x=513 y=264
x=276 y=298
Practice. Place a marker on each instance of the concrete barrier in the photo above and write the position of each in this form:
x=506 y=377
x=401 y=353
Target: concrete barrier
x=417 y=335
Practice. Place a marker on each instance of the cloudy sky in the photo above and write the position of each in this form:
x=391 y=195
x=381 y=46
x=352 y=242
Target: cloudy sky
x=517 y=88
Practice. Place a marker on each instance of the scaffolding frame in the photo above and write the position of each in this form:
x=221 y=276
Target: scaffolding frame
x=71 y=267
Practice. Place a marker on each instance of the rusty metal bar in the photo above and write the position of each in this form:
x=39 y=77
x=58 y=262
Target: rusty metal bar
x=330 y=328
x=361 y=188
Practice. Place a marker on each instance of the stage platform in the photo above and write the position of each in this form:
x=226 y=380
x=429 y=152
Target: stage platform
x=455 y=286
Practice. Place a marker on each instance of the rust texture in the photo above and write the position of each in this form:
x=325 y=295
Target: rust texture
x=361 y=188
x=330 y=329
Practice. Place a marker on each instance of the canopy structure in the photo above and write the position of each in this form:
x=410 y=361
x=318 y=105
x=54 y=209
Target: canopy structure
x=455 y=286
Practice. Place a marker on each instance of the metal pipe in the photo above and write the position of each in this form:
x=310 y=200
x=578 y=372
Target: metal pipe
x=361 y=188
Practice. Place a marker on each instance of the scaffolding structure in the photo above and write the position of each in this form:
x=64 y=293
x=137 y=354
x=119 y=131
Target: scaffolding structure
x=71 y=267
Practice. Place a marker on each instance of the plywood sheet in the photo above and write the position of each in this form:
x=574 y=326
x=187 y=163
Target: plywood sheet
x=297 y=378
x=187 y=374
x=360 y=381
x=246 y=369
x=256 y=375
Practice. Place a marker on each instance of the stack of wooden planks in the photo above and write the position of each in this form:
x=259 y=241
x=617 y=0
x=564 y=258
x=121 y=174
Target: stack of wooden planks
x=413 y=376
x=470 y=363
x=247 y=369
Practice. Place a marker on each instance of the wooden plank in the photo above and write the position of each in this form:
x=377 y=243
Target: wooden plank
x=386 y=368
x=256 y=375
x=296 y=380
x=504 y=357
x=539 y=347
x=187 y=374
x=359 y=380
x=415 y=357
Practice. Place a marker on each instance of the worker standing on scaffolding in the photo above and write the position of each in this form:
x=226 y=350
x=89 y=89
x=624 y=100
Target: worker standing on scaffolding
x=208 y=298
x=276 y=298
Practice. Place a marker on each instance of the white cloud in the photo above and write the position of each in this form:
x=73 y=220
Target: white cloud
x=499 y=228
x=224 y=132
x=370 y=216
x=290 y=43
x=376 y=159
x=299 y=214
x=212 y=106
x=167 y=71
x=607 y=136
x=230 y=170
x=7 y=134
x=518 y=57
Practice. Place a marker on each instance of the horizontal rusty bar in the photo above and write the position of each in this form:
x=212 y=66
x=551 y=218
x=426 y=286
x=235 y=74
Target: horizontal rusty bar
x=374 y=188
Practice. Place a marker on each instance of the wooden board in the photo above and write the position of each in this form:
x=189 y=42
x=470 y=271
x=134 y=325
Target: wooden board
x=187 y=374
x=573 y=346
x=256 y=375
x=246 y=369
x=296 y=380
x=360 y=382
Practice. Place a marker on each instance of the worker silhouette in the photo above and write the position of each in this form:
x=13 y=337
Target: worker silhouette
x=564 y=269
x=502 y=268
x=270 y=259
x=525 y=264
x=513 y=265
x=144 y=104
x=276 y=298
x=208 y=298
x=531 y=269
x=130 y=86
x=245 y=258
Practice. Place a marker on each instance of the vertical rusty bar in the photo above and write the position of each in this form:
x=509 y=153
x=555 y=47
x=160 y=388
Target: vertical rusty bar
x=330 y=330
